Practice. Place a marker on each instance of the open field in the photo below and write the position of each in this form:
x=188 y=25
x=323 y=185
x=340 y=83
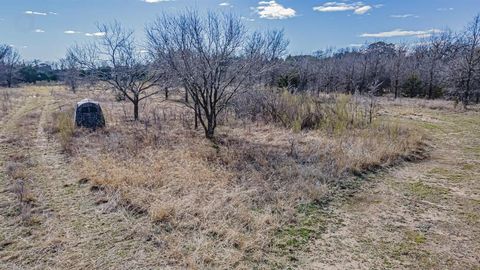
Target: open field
x=156 y=194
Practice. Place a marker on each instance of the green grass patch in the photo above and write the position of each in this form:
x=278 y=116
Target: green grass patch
x=451 y=175
x=469 y=166
x=409 y=248
x=471 y=218
x=427 y=192
x=311 y=222
x=430 y=126
x=416 y=237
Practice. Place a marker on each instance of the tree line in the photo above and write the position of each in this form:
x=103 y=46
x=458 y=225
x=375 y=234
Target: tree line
x=214 y=58
x=14 y=71
x=443 y=65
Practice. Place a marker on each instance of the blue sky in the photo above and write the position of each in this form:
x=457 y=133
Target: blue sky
x=43 y=29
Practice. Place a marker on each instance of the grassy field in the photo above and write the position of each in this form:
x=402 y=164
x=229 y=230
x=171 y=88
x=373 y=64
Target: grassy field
x=156 y=194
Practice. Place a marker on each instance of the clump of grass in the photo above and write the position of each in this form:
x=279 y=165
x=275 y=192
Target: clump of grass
x=297 y=112
x=5 y=102
x=62 y=124
x=333 y=113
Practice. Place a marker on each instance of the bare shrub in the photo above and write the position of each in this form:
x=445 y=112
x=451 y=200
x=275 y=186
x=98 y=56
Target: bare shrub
x=5 y=102
x=332 y=113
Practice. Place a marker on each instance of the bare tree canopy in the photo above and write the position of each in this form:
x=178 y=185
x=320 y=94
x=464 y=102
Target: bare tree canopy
x=117 y=60
x=466 y=67
x=9 y=64
x=214 y=57
x=4 y=49
x=71 y=70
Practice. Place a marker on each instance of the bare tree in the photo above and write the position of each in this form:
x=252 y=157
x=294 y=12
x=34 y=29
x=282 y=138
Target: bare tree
x=467 y=65
x=70 y=70
x=214 y=57
x=12 y=61
x=118 y=61
x=436 y=52
x=9 y=64
x=4 y=49
x=398 y=65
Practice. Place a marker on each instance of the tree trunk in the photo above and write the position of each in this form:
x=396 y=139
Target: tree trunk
x=135 y=108
x=466 y=96
x=210 y=130
x=72 y=86
x=430 y=86
x=396 y=88
x=197 y=111
x=209 y=133
x=430 y=91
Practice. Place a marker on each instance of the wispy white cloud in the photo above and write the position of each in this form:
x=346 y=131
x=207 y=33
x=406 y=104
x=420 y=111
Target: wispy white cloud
x=96 y=34
x=356 y=45
x=416 y=44
x=247 y=19
x=401 y=33
x=362 y=10
x=71 y=32
x=225 y=4
x=39 y=31
x=18 y=47
x=358 y=8
x=29 y=12
x=403 y=16
x=274 y=11
x=445 y=9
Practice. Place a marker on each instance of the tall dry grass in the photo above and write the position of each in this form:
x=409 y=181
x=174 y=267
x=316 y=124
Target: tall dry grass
x=62 y=124
x=223 y=205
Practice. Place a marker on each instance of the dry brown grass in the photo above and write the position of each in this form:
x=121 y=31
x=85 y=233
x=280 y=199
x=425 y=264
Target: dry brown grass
x=62 y=125
x=10 y=98
x=18 y=165
x=434 y=104
x=223 y=205
x=171 y=199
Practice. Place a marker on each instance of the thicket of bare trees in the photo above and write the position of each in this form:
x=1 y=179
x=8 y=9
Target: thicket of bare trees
x=444 y=64
x=466 y=67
